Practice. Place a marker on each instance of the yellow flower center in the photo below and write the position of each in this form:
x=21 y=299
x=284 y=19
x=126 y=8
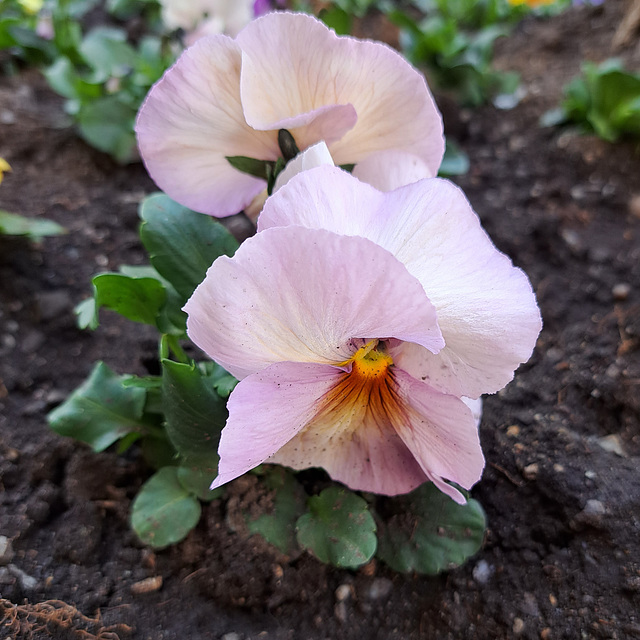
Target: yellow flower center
x=370 y=363
x=368 y=389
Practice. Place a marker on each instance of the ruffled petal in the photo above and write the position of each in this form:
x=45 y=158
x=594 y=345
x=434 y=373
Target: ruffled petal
x=266 y=410
x=441 y=433
x=191 y=120
x=486 y=307
x=302 y=295
x=294 y=67
x=389 y=170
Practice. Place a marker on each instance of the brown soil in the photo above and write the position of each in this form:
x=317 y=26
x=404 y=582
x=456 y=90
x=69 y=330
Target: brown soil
x=561 y=488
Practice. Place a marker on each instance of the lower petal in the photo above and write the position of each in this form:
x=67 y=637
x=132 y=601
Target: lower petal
x=267 y=410
x=441 y=433
x=360 y=450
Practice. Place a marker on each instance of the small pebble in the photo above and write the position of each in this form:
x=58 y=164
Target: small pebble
x=149 y=585
x=634 y=205
x=231 y=636
x=558 y=468
x=482 y=572
x=27 y=582
x=594 y=508
x=621 y=291
x=530 y=472
x=344 y=592
x=380 y=588
x=612 y=444
x=518 y=625
x=6 y=550
x=513 y=431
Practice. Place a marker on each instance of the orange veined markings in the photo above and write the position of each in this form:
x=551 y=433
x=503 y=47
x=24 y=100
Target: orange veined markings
x=369 y=388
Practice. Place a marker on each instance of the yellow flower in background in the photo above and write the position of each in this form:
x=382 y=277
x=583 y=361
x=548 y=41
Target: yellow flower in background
x=31 y=6
x=4 y=166
x=531 y=3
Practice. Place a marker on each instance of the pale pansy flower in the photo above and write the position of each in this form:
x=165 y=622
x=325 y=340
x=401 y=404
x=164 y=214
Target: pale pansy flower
x=227 y=98
x=355 y=342
x=199 y=18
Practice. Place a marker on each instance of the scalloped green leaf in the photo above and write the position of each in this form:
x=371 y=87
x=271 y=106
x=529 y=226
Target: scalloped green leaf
x=339 y=529
x=164 y=512
x=430 y=533
x=278 y=526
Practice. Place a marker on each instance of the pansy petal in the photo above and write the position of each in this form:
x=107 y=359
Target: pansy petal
x=486 y=307
x=191 y=120
x=475 y=405
x=284 y=77
x=315 y=156
x=333 y=200
x=389 y=170
x=266 y=410
x=441 y=433
x=301 y=295
x=358 y=446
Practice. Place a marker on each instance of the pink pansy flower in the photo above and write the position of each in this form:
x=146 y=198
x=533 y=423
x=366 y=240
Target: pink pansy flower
x=340 y=337
x=226 y=98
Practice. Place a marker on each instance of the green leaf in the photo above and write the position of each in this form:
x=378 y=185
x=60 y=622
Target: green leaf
x=337 y=19
x=138 y=299
x=278 y=526
x=195 y=414
x=159 y=452
x=171 y=318
x=107 y=125
x=182 y=244
x=106 y=51
x=431 y=532
x=338 y=528
x=12 y=224
x=455 y=161
x=197 y=481
x=87 y=314
x=101 y=410
x=251 y=166
x=164 y=512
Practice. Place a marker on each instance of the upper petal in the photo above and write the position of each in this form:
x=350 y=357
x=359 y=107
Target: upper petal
x=191 y=119
x=294 y=66
x=301 y=295
x=486 y=307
